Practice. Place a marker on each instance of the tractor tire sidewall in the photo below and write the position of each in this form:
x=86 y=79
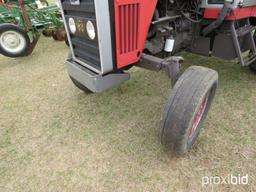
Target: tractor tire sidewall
x=80 y=86
x=12 y=27
x=212 y=91
x=187 y=96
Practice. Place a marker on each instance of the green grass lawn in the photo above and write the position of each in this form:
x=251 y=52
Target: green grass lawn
x=55 y=138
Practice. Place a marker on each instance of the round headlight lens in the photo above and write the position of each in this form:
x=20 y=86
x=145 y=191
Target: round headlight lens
x=90 y=30
x=72 y=25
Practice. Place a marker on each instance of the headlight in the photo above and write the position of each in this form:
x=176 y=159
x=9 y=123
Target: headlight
x=72 y=25
x=90 y=30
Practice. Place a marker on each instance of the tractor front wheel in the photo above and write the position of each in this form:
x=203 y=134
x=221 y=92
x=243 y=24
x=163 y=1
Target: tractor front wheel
x=187 y=108
x=81 y=86
x=14 y=41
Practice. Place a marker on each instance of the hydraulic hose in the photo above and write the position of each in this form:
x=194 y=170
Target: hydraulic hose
x=225 y=11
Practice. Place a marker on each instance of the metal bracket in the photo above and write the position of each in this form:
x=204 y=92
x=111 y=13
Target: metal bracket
x=170 y=64
x=25 y=14
x=225 y=11
x=172 y=67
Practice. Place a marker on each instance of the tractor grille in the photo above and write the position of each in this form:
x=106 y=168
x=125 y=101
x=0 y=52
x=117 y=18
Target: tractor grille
x=85 y=49
x=129 y=27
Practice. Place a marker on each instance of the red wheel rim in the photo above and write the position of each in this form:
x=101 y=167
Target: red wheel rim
x=199 y=116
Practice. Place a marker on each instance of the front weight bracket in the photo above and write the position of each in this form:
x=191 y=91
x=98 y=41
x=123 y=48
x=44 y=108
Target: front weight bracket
x=170 y=64
x=172 y=68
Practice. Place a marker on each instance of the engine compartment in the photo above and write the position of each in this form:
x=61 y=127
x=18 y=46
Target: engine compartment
x=184 y=22
x=176 y=20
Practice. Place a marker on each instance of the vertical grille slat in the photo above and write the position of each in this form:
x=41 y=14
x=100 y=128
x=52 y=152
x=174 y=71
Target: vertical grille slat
x=132 y=28
x=137 y=25
x=129 y=27
x=126 y=29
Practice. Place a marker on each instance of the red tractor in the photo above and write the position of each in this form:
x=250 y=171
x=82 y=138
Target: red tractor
x=108 y=37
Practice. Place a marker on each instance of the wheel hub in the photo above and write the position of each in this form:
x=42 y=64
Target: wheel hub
x=12 y=41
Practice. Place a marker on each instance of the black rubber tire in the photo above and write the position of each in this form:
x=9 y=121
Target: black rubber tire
x=81 y=86
x=12 y=27
x=183 y=107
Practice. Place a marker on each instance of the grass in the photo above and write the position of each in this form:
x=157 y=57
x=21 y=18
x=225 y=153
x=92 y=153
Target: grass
x=55 y=138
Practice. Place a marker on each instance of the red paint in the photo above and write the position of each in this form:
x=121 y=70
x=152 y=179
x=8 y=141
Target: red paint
x=199 y=116
x=132 y=22
x=241 y=13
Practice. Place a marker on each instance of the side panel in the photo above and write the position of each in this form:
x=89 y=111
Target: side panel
x=218 y=3
x=132 y=22
x=247 y=3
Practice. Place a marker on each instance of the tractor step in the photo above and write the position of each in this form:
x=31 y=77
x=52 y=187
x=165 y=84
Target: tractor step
x=250 y=59
x=245 y=30
x=247 y=33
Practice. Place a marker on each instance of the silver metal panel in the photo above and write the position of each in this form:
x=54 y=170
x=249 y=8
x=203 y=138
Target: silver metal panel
x=104 y=37
x=205 y=4
x=247 y=3
x=95 y=82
